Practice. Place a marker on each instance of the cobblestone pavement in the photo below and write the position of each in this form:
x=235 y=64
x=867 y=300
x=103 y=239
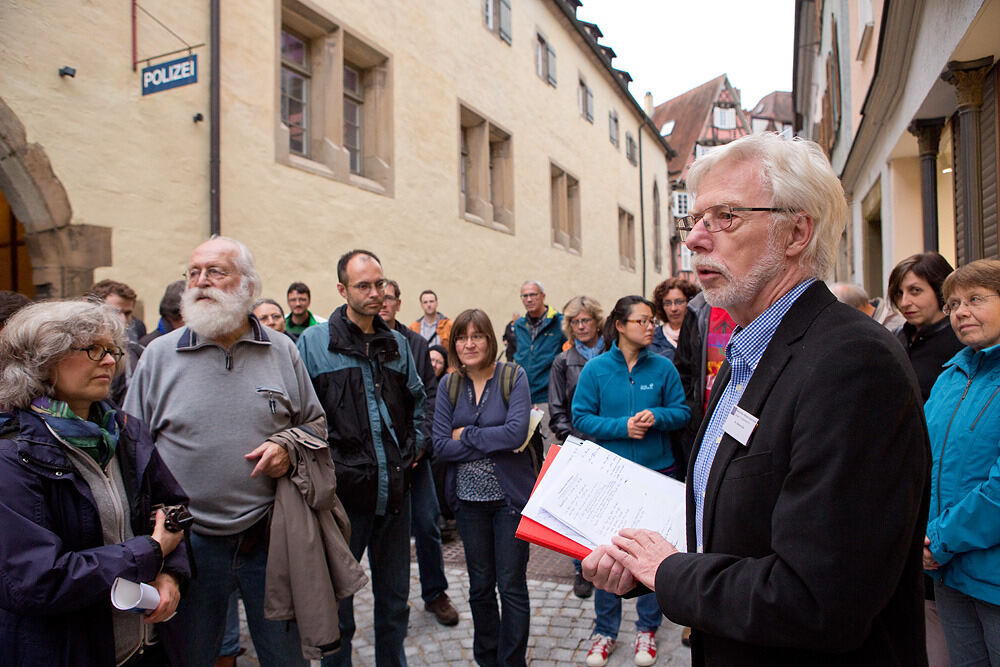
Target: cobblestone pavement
x=561 y=623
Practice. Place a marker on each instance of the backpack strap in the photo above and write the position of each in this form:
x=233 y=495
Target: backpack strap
x=508 y=373
x=453 y=383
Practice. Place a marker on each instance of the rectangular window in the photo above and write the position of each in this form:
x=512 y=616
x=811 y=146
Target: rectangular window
x=335 y=101
x=724 y=118
x=681 y=204
x=630 y=150
x=613 y=127
x=486 y=172
x=295 y=90
x=585 y=101
x=626 y=240
x=497 y=19
x=685 y=258
x=545 y=61
x=565 y=204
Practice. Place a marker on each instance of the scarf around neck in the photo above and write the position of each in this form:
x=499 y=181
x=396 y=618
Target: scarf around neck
x=97 y=436
x=589 y=353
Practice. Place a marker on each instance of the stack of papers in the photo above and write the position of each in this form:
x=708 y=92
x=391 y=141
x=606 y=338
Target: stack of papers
x=586 y=494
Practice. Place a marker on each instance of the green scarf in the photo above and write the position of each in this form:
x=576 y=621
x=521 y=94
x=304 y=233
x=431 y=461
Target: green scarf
x=97 y=435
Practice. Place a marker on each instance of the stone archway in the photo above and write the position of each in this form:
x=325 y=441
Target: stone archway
x=63 y=255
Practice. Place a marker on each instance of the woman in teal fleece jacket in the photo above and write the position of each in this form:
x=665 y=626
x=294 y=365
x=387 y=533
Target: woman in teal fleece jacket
x=628 y=400
x=962 y=548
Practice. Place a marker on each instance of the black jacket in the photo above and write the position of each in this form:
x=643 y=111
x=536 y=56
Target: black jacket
x=422 y=360
x=813 y=531
x=563 y=376
x=929 y=349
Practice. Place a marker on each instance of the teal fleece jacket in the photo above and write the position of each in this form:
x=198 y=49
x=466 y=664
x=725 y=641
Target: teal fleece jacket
x=607 y=394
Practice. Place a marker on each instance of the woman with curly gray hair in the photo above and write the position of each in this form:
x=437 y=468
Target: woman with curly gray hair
x=81 y=481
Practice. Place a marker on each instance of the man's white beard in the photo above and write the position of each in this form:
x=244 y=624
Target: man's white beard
x=743 y=290
x=224 y=314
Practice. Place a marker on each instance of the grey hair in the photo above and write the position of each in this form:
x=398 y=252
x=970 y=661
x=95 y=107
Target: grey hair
x=535 y=283
x=851 y=294
x=246 y=265
x=38 y=336
x=800 y=178
x=261 y=302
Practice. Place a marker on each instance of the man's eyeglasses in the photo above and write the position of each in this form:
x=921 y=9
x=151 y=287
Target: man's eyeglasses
x=718 y=218
x=366 y=287
x=975 y=302
x=643 y=323
x=581 y=321
x=98 y=352
x=531 y=295
x=213 y=273
x=676 y=302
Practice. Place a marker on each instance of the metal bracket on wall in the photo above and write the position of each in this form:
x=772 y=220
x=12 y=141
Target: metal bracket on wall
x=135 y=40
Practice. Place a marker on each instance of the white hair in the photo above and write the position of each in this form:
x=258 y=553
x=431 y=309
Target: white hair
x=800 y=178
x=246 y=265
x=535 y=283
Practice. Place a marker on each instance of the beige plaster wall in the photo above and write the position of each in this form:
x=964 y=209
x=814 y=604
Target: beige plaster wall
x=140 y=165
x=907 y=230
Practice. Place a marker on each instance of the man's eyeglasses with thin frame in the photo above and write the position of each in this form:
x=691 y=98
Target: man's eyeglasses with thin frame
x=718 y=218
x=213 y=273
x=97 y=352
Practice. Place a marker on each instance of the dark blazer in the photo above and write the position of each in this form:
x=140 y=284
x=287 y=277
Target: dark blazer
x=814 y=530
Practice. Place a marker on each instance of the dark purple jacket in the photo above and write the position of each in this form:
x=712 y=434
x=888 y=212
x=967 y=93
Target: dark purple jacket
x=55 y=573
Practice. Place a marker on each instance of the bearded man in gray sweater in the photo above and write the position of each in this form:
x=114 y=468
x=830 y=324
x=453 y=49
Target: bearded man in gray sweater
x=213 y=394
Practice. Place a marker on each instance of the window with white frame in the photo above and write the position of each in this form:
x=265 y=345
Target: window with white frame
x=685 y=258
x=667 y=129
x=681 y=203
x=630 y=149
x=626 y=240
x=565 y=203
x=335 y=115
x=545 y=61
x=724 y=118
x=486 y=172
x=497 y=18
x=295 y=90
x=613 y=126
x=585 y=100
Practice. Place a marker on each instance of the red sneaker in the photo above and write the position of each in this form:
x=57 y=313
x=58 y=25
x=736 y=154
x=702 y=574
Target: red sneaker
x=600 y=650
x=645 y=648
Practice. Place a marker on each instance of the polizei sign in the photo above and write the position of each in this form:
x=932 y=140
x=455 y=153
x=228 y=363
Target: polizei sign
x=170 y=75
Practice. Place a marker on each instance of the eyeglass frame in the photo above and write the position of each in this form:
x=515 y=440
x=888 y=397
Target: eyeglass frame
x=116 y=354
x=213 y=274
x=686 y=223
x=648 y=321
x=675 y=302
x=581 y=321
x=949 y=310
x=366 y=286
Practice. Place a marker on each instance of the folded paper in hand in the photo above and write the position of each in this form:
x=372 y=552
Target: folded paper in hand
x=586 y=494
x=130 y=596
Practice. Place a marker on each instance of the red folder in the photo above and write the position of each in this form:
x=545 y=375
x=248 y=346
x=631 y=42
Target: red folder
x=530 y=530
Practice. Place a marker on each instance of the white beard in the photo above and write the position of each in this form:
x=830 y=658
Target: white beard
x=744 y=289
x=225 y=313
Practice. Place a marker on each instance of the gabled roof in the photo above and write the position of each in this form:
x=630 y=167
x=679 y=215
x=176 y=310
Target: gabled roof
x=776 y=106
x=689 y=111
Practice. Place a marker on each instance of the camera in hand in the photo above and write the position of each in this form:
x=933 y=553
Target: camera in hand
x=178 y=517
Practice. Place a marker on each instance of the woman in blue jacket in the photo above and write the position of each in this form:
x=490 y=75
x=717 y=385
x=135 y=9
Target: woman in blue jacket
x=628 y=400
x=962 y=548
x=480 y=422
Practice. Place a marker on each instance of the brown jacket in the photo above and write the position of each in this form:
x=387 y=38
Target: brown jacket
x=443 y=329
x=309 y=561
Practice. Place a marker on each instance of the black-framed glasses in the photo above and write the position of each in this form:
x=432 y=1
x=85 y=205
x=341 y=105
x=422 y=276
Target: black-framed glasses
x=718 y=218
x=97 y=352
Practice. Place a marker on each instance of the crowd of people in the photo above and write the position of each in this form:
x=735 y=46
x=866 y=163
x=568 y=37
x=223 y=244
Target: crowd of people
x=840 y=452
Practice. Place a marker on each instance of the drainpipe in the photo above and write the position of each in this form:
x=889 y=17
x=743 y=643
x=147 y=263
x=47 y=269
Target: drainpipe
x=215 y=224
x=642 y=215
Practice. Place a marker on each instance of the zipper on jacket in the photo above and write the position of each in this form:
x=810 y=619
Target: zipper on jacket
x=947 y=431
x=985 y=408
x=229 y=360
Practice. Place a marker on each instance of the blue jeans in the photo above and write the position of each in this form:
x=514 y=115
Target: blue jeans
x=231 y=636
x=971 y=628
x=387 y=539
x=426 y=534
x=608 y=612
x=201 y=615
x=496 y=560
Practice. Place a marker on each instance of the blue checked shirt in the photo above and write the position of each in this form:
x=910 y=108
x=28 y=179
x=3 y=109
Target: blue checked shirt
x=743 y=352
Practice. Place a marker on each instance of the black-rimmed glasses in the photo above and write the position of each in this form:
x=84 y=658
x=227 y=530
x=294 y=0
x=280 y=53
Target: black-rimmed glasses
x=98 y=352
x=718 y=218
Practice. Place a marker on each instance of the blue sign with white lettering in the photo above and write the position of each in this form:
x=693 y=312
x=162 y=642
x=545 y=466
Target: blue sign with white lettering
x=170 y=75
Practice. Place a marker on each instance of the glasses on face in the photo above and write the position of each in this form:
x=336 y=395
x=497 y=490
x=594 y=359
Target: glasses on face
x=643 y=323
x=974 y=302
x=530 y=295
x=581 y=321
x=718 y=218
x=98 y=352
x=476 y=338
x=366 y=286
x=676 y=302
x=213 y=274
x=389 y=297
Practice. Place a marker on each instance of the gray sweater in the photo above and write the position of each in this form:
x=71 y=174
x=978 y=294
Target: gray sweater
x=207 y=408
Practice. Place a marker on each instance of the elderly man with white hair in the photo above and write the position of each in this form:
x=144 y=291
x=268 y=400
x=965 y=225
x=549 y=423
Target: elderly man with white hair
x=808 y=485
x=213 y=393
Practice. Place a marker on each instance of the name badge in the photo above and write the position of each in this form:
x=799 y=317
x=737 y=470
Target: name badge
x=740 y=424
